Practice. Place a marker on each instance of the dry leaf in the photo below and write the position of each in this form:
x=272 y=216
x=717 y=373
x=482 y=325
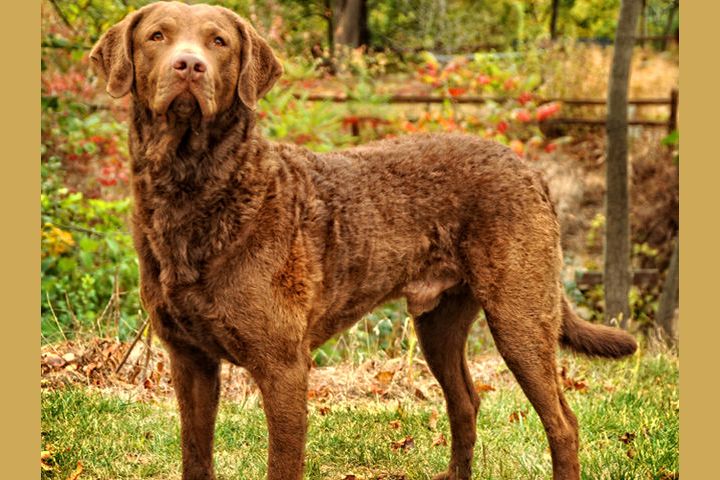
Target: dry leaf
x=420 y=395
x=322 y=392
x=69 y=357
x=350 y=477
x=439 y=440
x=52 y=360
x=627 y=437
x=324 y=410
x=517 y=415
x=432 y=422
x=76 y=473
x=481 y=387
x=394 y=424
x=631 y=452
x=570 y=383
x=665 y=474
x=46 y=460
x=404 y=445
x=375 y=390
x=384 y=377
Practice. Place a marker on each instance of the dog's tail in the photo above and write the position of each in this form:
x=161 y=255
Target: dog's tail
x=592 y=339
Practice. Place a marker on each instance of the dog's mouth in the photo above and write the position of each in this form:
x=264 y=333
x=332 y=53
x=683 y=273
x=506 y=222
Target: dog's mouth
x=185 y=105
x=185 y=100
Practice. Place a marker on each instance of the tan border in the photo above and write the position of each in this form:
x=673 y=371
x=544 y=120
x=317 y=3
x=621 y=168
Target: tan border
x=20 y=281
x=699 y=187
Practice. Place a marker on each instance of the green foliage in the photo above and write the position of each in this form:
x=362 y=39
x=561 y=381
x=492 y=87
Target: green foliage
x=89 y=268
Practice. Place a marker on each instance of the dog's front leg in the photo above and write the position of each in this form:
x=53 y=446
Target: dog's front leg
x=284 y=390
x=196 y=379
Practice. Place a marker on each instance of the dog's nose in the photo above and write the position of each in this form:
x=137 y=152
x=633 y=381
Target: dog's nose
x=186 y=64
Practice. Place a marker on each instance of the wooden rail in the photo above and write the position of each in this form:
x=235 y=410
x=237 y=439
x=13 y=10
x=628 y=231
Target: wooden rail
x=588 y=279
x=670 y=123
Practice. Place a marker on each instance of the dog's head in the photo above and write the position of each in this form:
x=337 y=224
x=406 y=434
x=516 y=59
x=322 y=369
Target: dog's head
x=188 y=59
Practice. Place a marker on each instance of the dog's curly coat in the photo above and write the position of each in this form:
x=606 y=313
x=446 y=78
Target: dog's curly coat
x=257 y=252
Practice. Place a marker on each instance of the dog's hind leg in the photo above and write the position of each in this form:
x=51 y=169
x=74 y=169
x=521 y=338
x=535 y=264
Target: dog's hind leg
x=196 y=379
x=526 y=335
x=442 y=333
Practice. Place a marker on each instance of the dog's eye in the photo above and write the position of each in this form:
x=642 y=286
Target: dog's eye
x=157 y=37
x=219 y=42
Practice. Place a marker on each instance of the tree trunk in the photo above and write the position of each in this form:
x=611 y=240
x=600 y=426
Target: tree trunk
x=553 y=19
x=350 y=22
x=617 y=232
x=669 y=297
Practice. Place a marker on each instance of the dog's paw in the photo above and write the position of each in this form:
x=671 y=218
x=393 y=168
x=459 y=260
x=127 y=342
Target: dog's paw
x=449 y=476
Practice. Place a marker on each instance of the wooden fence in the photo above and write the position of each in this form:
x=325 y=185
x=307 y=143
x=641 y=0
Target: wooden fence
x=670 y=123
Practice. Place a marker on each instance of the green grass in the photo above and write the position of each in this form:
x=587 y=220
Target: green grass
x=114 y=438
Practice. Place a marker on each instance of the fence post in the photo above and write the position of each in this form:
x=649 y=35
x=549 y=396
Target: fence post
x=672 y=119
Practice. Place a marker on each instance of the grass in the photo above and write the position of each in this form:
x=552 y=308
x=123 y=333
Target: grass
x=634 y=399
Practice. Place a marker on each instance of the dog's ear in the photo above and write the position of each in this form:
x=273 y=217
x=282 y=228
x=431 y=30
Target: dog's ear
x=112 y=55
x=259 y=68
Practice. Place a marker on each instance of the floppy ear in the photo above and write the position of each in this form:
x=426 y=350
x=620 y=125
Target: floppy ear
x=259 y=68
x=112 y=56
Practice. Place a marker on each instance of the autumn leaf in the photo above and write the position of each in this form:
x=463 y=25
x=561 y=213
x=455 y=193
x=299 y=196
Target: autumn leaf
x=517 y=415
x=420 y=395
x=52 y=360
x=384 y=377
x=403 y=445
x=439 y=440
x=570 y=383
x=481 y=387
x=350 y=477
x=394 y=424
x=432 y=422
x=76 y=473
x=627 y=438
x=46 y=459
x=324 y=410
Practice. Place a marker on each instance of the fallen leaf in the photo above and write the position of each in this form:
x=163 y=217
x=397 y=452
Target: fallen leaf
x=69 y=357
x=88 y=369
x=394 y=424
x=517 y=415
x=384 y=377
x=665 y=474
x=322 y=392
x=403 y=445
x=481 y=387
x=420 y=395
x=375 y=390
x=631 y=452
x=46 y=460
x=76 y=473
x=53 y=361
x=570 y=383
x=432 y=422
x=324 y=410
x=627 y=438
x=350 y=477
x=439 y=440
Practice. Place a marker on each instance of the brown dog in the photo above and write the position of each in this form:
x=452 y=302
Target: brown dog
x=256 y=252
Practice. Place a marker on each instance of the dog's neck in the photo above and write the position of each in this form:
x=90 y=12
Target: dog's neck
x=189 y=179
x=181 y=148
